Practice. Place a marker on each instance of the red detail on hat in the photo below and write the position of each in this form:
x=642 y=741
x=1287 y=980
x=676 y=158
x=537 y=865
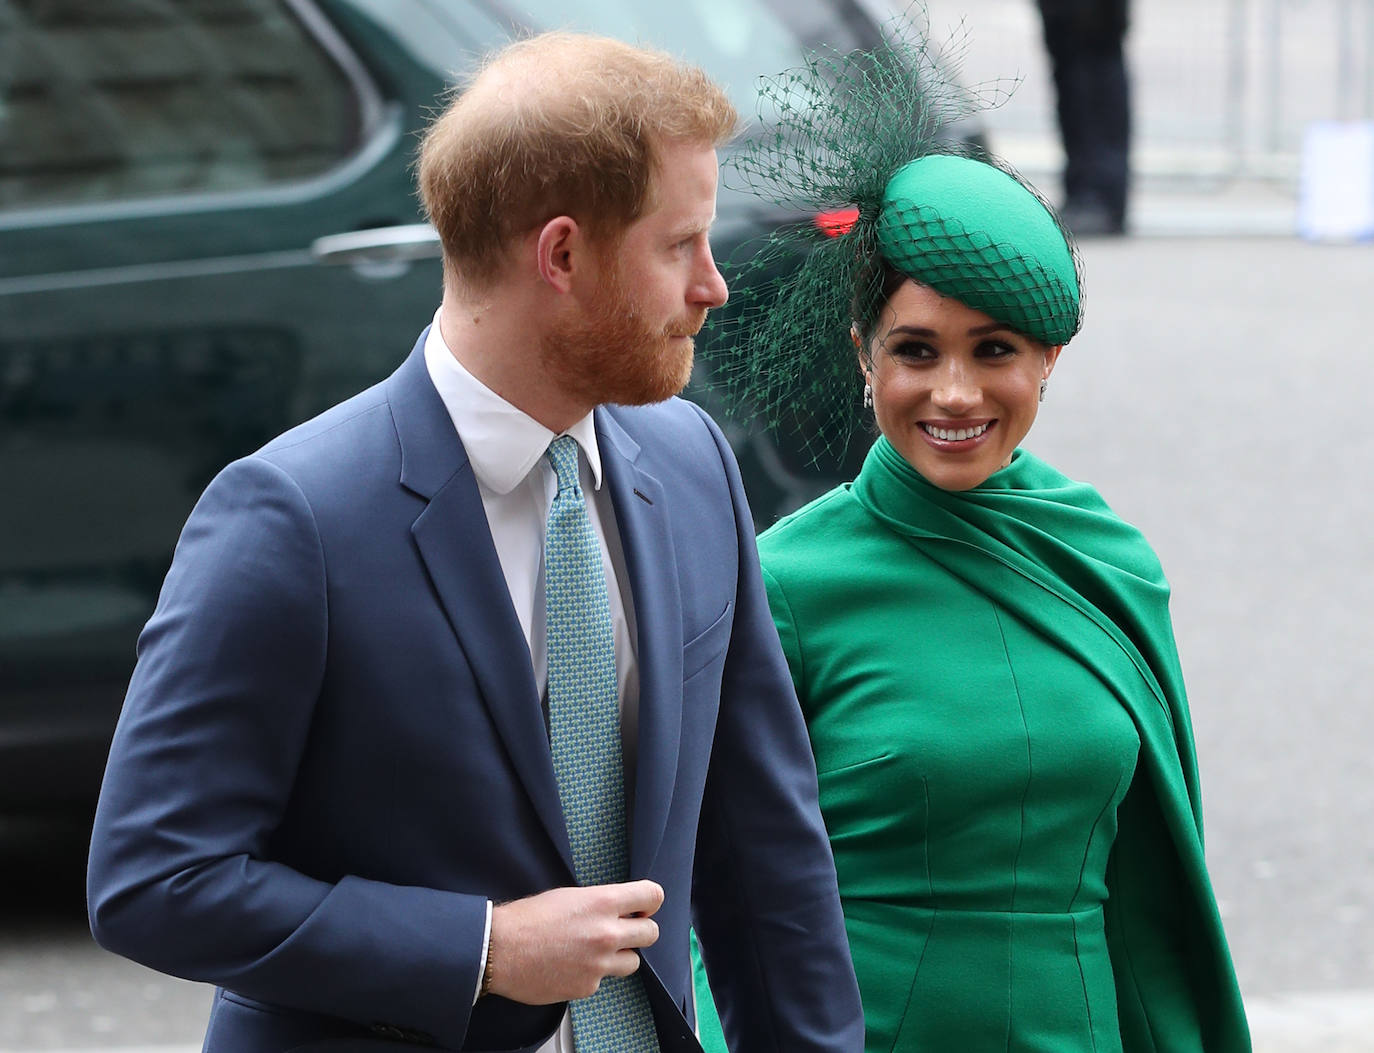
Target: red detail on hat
x=837 y=222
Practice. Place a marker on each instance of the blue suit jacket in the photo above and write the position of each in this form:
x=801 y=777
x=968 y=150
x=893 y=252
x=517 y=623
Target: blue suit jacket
x=332 y=752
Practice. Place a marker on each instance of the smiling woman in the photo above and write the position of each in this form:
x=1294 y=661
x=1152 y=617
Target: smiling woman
x=982 y=649
x=954 y=391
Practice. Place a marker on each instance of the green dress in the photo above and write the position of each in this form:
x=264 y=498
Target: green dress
x=1006 y=766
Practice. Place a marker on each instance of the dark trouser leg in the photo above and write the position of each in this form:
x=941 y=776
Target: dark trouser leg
x=1085 y=40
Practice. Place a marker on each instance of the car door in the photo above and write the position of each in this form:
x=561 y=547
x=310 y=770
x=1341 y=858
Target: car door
x=165 y=169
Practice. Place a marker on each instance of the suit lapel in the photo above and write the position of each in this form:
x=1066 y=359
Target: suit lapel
x=454 y=541
x=642 y=518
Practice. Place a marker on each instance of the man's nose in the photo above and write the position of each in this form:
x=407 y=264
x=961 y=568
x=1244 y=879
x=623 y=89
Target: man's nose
x=709 y=290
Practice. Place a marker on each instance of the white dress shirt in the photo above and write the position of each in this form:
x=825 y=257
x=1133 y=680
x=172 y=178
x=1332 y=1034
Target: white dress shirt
x=517 y=484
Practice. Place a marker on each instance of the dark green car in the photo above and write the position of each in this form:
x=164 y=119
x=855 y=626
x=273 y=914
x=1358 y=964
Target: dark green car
x=208 y=233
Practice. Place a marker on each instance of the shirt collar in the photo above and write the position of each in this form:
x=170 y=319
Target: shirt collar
x=503 y=443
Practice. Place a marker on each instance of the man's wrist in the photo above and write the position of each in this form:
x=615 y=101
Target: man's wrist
x=484 y=963
x=485 y=986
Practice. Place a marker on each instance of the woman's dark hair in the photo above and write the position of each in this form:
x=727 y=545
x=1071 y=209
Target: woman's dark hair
x=874 y=284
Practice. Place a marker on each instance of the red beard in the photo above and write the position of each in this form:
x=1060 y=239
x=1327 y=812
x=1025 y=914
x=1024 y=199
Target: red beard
x=610 y=354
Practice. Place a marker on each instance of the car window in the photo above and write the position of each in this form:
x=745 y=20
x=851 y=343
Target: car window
x=736 y=41
x=102 y=101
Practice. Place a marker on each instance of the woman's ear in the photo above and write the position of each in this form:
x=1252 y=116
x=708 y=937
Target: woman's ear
x=861 y=352
x=1051 y=357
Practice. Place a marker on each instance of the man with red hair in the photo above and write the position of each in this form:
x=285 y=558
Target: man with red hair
x=462 y=701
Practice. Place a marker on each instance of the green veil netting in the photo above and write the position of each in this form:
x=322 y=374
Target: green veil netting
x=858 y=146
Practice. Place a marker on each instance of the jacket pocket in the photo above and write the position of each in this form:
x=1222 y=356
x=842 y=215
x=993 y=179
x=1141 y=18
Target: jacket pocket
x=707 y=644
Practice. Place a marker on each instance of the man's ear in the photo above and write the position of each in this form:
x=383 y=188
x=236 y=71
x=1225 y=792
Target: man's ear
x=558 y=242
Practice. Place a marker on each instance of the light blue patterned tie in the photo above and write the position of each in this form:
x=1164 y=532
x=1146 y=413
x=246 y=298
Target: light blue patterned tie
x=584 y=732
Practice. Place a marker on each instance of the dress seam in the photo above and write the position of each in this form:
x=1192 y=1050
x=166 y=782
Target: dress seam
x=1021 y=838
x=930 y=930
x=1124 y=941
x=1083 y=979
x=925 y=945
x=1092 y=833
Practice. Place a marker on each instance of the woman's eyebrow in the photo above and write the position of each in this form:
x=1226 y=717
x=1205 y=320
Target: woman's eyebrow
x=977 y=330
x=993 y=327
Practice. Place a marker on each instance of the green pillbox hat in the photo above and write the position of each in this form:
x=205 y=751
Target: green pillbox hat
x=974 y=233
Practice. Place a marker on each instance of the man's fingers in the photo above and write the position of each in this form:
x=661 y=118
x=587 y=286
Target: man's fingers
x=638 y=898
x=639 y=932
x=623 y=963
x=558 y=945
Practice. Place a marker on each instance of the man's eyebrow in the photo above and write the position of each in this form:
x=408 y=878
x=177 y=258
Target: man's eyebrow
x=687 y=230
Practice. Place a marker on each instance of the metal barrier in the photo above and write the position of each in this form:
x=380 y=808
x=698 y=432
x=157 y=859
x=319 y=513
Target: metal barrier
x=1222 y=89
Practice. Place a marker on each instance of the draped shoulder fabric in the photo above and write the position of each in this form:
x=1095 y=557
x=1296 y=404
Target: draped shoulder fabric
x=1038 y=542
x=1006 y=765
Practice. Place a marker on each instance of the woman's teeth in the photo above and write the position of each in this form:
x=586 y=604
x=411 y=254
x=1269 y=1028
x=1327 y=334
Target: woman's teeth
x=955 y=434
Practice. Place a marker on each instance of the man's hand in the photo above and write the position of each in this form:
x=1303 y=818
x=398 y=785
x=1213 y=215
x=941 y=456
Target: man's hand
x=560 y=944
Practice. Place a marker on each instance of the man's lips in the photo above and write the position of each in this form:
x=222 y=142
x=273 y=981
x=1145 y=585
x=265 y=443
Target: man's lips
x=688 y=329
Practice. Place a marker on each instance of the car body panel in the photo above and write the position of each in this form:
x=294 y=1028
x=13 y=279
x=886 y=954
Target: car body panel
x=148 y=339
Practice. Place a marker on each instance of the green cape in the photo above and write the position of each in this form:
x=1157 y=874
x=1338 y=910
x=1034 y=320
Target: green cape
x=1052 y=552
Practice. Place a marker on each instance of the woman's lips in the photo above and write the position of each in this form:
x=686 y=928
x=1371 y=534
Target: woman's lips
x=955 y=434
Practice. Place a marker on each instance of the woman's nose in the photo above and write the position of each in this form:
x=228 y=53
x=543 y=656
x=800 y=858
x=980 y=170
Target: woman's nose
x=956 y=390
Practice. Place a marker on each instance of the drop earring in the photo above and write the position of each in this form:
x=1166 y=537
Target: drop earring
x=1044 y=383
x=868 y=396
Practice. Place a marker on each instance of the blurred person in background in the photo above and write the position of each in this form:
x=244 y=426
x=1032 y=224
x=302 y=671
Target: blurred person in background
x=1085 y=40
x=462 y=698
x=982 y=648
